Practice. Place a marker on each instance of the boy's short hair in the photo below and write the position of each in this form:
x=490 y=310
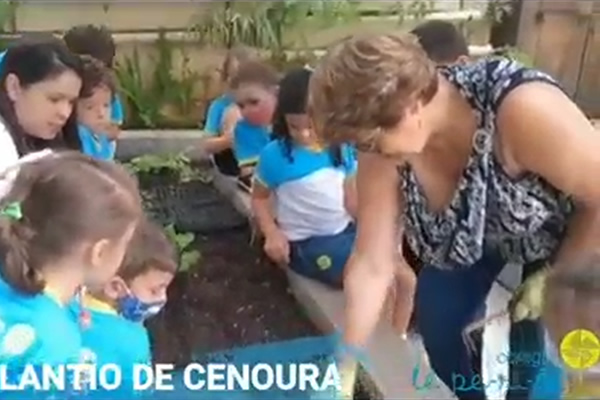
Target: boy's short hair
x=442 y=41
x=93 y=40
x=95 y=74
x=150 y=249
x=255 y=72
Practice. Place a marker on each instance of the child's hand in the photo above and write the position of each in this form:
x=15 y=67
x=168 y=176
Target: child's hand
x=277 y=247
x=113 y=131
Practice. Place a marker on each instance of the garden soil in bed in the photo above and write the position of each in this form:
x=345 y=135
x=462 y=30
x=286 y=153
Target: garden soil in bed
x=234 y=297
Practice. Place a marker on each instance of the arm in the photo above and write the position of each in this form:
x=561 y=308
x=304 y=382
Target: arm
x=373 y=263
x=262 y=210
x=545 y=133
x=350 y=196
x=224 y=140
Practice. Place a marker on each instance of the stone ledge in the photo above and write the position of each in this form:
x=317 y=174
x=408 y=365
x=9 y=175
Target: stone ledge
x=392 y=361
x=137 y=143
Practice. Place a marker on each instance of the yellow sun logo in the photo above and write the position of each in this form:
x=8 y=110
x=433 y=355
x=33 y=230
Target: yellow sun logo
x=580 y=349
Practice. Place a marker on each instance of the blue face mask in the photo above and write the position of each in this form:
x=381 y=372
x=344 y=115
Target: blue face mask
x=133 y=309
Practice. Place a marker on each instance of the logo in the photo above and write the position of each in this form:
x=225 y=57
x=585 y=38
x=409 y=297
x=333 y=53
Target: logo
x=580 y=349
x=324 y=262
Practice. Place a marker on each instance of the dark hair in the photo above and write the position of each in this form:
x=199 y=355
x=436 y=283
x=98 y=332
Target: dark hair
x=150 y=249
x=255 y=72
x=95 y=74
x=93 y=40
x=293 y=99
x=442 y=41
x=33 y=62
x=64 y=199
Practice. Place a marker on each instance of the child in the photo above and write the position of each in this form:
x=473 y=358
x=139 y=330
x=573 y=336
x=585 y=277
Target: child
x=312 y=229
x=93 y=109
x=97 y=42
x=137 y=292
x=570 y=305
x=223 y=114
x=442 y=42
x=255 y=92
x=65 y=223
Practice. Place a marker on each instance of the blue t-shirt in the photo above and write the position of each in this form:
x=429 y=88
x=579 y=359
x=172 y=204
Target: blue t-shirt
x=215 y=114
x=36 y=330
x=96 y=146
x=276 y=168
x=248 y=141
x=2 y=55
x=117 y=115
x=309 y=188
x=111 y=339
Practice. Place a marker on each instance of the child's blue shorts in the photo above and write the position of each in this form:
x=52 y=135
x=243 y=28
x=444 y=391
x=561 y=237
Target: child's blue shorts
x=323 y=257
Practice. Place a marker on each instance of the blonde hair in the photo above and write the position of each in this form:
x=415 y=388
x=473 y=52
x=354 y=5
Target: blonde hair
x=365 y=83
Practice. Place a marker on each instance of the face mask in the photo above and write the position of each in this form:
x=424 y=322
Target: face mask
x=133 y=309
x=260 y=116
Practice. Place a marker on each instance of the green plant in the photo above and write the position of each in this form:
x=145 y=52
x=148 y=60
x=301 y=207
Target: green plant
x=177 y=164
x=183 y=240
x=145 y=105
x=149 y=98
x=263 y=24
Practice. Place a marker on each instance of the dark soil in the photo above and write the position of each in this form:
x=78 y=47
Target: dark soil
x=234 y=297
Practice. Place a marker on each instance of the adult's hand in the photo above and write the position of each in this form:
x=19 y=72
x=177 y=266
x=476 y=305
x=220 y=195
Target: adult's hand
x=373 y=264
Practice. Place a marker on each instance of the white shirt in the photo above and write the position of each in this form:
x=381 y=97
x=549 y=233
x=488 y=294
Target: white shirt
x=9 y=158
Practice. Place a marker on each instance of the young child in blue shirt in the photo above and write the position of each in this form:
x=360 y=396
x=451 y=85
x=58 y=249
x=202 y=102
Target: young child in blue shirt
x=97 y=42
x=311 y=227
x=223 y=114
x=65 y=223
x=94 y=109
x=255 y=92
x=118 y=309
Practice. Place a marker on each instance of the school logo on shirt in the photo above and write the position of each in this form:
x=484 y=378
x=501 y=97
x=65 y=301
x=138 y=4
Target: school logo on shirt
x=17 y=340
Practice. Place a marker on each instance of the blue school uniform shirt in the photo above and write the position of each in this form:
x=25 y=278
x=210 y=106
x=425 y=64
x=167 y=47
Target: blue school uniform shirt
x=117 y=115
x=111 y=339
x=308 y=188
x=36 y=330
x=96 y=146
x=215 y=114
x=248 y=142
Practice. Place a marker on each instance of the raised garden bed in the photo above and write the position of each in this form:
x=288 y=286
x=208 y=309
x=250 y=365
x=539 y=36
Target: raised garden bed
x=233 y=297
x=227 y=294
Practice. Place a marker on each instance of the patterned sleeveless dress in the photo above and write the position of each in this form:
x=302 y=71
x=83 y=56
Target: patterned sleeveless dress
x=523 y=219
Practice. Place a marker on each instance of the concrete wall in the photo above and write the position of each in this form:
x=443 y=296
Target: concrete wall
x=135 y=24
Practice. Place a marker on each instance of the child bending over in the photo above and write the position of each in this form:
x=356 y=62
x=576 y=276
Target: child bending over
x=93 y=109
x=137 y=292
x=66 y=222
x=571 y=299
x=97 y=42
x=255 y=92
x=223 y=114
x=312 y=226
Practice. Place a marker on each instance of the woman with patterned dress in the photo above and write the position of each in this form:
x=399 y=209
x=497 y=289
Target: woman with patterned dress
x=479 y=165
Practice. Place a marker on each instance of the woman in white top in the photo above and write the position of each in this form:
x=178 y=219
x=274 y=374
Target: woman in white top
x=39 y=84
